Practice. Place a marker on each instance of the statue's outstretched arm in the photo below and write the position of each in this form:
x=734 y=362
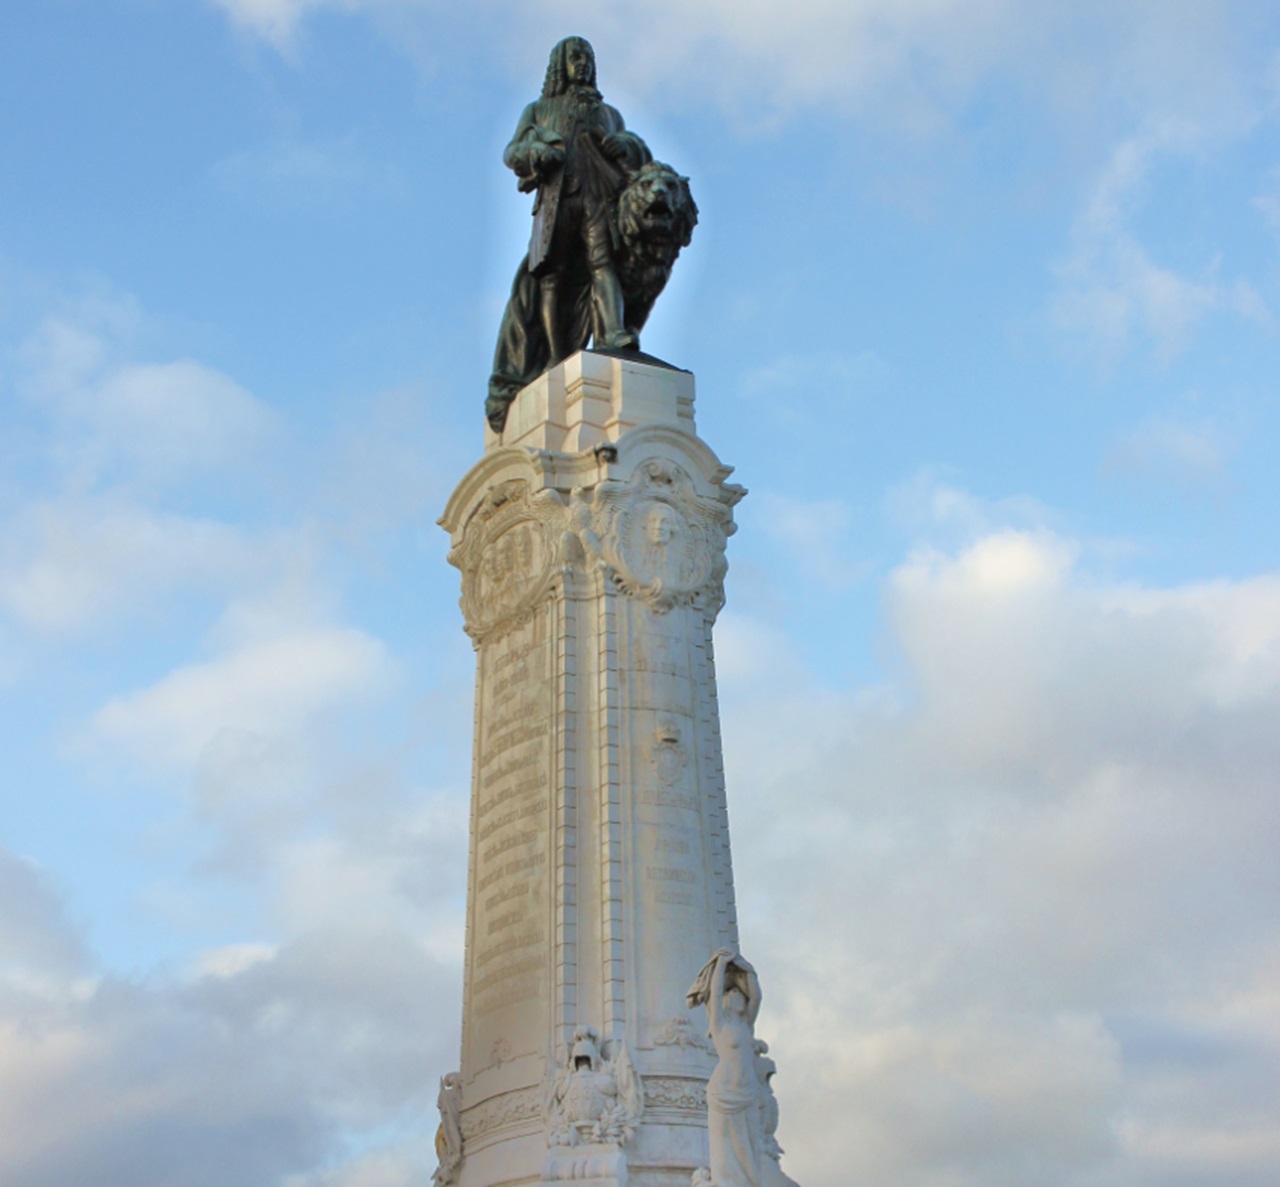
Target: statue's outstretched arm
x=716 y=995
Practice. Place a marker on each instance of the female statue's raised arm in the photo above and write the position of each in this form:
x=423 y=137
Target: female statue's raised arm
x=715 y=998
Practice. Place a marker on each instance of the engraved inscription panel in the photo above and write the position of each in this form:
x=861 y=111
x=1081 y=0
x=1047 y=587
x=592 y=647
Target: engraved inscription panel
x=512 y=841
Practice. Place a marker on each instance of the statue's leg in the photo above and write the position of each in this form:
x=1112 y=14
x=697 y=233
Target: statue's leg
x=606 y=290
x=521 y=353
x=549 y=297
x=606 y=294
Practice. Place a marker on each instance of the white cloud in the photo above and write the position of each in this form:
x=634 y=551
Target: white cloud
x=75 y=562
x=1016 y=901
x=410 y=869
x=88 y=537
x=273 y=20
x=249 y=1075
x=907 y=67
x=1012 y=910
x=1109 y=289
x=930 y=508
x=36 y=937
x=176 y=416
x=1163 y=448
x=112 y=413
x=266 y=688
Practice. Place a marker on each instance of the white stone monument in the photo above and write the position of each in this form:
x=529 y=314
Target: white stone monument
x=591 y=540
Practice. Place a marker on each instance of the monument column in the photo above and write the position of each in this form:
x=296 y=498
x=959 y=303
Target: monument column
x=591 y=541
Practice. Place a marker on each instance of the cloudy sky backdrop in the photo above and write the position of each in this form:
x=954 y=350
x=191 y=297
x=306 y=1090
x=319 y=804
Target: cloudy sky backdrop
x=983 y=308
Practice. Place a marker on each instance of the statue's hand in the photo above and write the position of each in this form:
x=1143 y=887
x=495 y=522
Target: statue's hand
x=546 y=158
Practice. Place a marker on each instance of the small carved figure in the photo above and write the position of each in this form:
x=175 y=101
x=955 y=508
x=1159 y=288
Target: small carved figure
x=608 y=223
x=741 y=1111
x=449 y=1133
x=591 y=1099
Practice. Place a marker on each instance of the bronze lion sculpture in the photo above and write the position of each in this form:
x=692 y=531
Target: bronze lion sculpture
x=656 y=217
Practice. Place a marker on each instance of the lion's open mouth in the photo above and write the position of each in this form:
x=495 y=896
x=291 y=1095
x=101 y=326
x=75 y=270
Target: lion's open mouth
x=659 y=210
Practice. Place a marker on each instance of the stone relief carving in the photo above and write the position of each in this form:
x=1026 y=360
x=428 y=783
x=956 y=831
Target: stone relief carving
x=666 y=754
x=591 y=1099
x=675 y=1092
x=657 y=539
x=742 y=1112
x=510 y=1108
x=449 y=1134
x=499 y=1053
x=679 y=1032
x=507 y=556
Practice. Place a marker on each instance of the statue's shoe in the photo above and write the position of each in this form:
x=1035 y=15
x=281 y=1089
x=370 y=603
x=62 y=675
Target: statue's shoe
x=622 y=340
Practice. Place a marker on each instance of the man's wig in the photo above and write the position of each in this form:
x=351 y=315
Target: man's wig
x=557 y=80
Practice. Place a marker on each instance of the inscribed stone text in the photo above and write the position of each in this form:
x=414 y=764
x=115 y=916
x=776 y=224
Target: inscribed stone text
x=513 y=820
x=666 y=797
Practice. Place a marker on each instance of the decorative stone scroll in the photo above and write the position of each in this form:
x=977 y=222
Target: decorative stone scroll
x=656 y=537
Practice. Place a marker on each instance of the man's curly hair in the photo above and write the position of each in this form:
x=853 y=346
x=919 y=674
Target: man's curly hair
x=557 y=79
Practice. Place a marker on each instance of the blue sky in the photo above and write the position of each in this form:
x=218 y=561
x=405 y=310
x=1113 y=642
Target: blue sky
x=982 y=306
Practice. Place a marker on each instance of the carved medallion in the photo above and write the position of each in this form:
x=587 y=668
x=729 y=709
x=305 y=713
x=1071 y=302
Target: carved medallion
x=507 y=556
x=656 y=537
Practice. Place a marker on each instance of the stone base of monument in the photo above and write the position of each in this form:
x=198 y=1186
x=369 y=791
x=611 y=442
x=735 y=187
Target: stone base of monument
x=591 y=540
x=592 y=398
x=587 y=1166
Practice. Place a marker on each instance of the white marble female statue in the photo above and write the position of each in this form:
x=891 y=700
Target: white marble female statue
x=729 y=988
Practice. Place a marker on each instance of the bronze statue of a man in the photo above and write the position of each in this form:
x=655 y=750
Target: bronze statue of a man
x=573 y=149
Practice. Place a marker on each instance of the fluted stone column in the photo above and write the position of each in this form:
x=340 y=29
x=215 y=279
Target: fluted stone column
x=591 y=542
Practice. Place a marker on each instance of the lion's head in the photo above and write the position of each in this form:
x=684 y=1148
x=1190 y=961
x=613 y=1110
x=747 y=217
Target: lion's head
x=657 y=208
x=656 y=217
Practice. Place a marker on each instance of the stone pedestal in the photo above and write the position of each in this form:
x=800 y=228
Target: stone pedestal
x=591 y=540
